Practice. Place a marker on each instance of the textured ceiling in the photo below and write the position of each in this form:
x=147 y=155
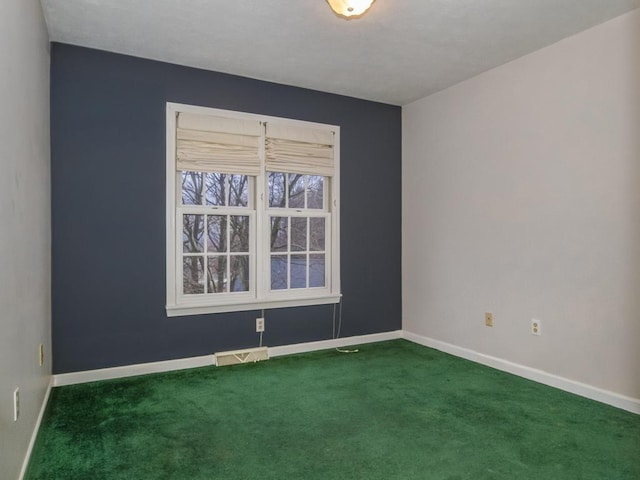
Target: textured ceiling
x=401 y=50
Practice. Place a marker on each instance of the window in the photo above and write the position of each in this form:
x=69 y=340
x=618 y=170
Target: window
x=216 y=227
x=252 y=212
x=298 y=222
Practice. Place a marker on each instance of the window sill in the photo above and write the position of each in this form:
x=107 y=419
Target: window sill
x=199 y=309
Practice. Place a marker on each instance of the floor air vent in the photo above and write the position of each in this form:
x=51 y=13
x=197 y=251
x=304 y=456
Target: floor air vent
x=241 y=356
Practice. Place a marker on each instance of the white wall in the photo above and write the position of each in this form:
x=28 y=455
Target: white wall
x=521 y=197
x=25 y=234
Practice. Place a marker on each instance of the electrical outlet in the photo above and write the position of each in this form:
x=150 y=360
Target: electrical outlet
x=16 y=404
x=259 y=324
x=41 y=354
x=536 y=327
x=488 y=319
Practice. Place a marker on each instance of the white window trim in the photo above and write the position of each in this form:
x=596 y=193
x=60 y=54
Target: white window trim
x=260 y=297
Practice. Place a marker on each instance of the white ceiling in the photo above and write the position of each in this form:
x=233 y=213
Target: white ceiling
x=399 y=51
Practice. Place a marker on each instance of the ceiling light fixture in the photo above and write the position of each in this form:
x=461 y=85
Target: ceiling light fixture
x=350 y=8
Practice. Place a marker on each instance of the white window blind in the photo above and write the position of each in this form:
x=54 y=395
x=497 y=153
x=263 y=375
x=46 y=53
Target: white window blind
x=206 y=143
x=299 y=150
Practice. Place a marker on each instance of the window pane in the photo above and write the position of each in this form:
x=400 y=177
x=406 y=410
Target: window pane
x=240 y=273
x=278 y=272
x=217 y=235
x=298 y=234
x=216 y=188
x=217 y=274
x=276 y=190
x=316 y=270
x=316 y=240
x=191 y=188
x=298 y=271
x=296 y=190
x=193 y=275
x=315 y=191
x=238 y=190
x=239 y=233
x=279 y=228
x=192 y=233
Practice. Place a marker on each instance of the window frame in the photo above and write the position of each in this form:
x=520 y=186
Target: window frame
x=260 y=295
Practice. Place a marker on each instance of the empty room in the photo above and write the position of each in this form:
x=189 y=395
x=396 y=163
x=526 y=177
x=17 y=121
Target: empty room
x=322 y=239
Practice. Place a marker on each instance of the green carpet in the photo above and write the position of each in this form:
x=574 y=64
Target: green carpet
x=395 y=410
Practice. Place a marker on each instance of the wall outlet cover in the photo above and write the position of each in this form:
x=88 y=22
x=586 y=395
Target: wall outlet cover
x=488 y=319
x=536 y=326
x=16 y=404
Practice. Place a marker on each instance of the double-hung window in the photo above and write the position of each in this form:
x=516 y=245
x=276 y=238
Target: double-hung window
x=252 y=211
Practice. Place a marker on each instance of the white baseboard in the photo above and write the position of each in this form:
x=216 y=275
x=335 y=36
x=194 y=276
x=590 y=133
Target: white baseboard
x=72 y=378
x=594 y=393
x=611 y=398
x=36 y=428
x=335 y=343
x=207 y=360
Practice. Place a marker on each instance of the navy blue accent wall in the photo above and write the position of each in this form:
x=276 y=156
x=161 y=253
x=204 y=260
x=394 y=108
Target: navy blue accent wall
x=108 y=211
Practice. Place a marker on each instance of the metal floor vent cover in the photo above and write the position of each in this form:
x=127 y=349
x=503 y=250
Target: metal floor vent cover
x=241 y=356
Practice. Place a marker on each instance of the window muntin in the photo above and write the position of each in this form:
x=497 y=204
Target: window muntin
x=222 y=220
